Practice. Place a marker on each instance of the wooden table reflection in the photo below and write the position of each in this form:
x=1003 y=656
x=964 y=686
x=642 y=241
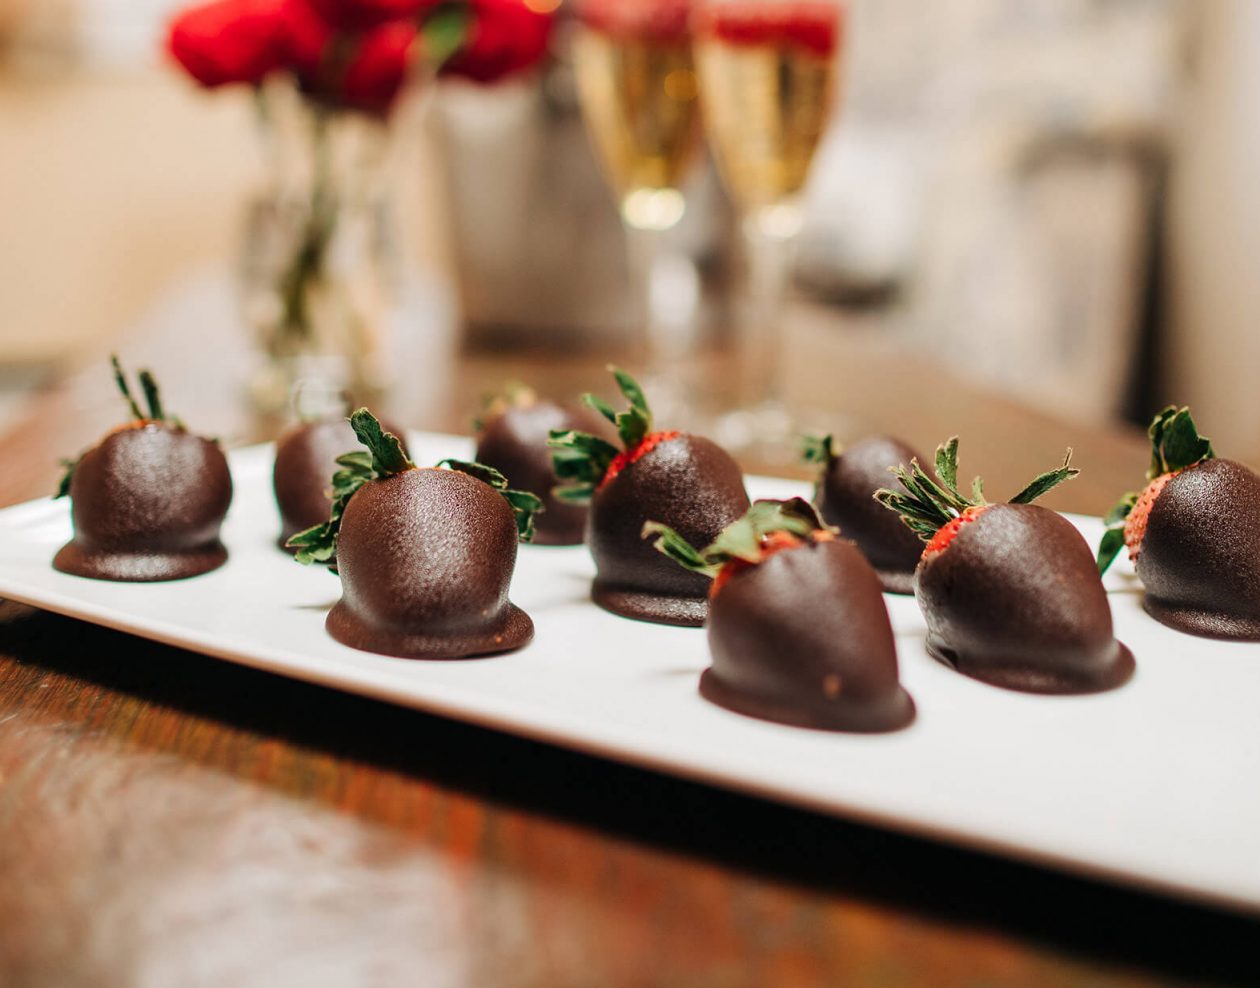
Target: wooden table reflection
x=169 y=819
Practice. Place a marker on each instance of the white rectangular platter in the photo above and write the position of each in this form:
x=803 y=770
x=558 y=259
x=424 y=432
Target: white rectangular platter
x=1155 y=785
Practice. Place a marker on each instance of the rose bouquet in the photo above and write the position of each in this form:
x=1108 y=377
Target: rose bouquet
x=329 y=75
x=356 y=54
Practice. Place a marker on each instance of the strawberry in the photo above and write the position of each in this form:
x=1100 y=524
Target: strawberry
x=1193 y=534
x=688 y=482
x=798 y=631
x=512 y=435
x=845 y=495
x=425 y=554
x=147 y=501
x=1009 y=591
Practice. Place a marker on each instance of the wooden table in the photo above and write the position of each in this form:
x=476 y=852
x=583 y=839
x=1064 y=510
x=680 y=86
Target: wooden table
x=169 y=819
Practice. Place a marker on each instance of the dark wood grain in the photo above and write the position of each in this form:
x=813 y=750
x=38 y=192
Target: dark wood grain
x=169 y=819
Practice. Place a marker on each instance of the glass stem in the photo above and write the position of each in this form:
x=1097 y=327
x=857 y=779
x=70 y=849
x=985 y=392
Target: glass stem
x=769 y=268
x=664 y=344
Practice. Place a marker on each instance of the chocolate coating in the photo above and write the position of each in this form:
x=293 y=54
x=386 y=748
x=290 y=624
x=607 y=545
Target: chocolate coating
x=1016 y=601
x=147 y=504
x=1200 y=557
x=306 y=459
x=846 y=498
x=804 y=639
x=514 y=442
x=688 y=483
x=425 y=559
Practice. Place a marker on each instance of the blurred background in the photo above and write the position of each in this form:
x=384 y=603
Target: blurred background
x=1054 y=199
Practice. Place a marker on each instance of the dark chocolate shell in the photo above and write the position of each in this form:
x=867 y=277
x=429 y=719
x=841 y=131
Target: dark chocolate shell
x=688 y=483
x=514 y=442
x=804 y=639
x=426 y=558
x=1200 y=557
x=306 y=459
x=147 y=503
x=1015 y=600
x=846 y=498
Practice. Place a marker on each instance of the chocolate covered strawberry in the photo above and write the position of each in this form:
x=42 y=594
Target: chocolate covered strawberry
x=798 y=631
x=148 y=500
x=1010 y=591
x=845 y=496
x=1193 y=534
x=684 y=481
x=425 y=554
x=512 y=437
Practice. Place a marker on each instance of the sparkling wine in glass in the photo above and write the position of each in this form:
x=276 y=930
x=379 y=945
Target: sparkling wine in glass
x=637 y=85
x=768 y=80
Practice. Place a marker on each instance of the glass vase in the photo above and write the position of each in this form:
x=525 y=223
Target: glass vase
x=318 y=270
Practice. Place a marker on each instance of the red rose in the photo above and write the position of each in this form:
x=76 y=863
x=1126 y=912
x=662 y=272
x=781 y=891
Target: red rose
x=363 y=15
x=306 y=39
x=505 y=37
x=229 y=40
x=378 y=68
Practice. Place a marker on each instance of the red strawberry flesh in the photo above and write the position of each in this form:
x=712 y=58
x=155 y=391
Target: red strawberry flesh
x=949 y=531
x=773 y=543
x=634 y=454
x=1135 y=524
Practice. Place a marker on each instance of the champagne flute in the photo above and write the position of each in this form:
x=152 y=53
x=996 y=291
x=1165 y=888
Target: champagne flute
x=637 y=87
x=768 y=78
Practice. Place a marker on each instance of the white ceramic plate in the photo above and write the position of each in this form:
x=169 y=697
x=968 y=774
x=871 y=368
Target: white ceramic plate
x=1155 y=785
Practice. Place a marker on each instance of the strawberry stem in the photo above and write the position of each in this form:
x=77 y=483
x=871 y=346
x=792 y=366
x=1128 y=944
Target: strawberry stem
x=1176 y=443
x=817 y=449
x=581 y=460
x=926 y=505
x=742 y=538
x=384 y=457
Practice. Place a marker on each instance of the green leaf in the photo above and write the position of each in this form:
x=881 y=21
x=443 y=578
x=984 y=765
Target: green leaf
x=526 y=507
x=68 y=467
x=1156 y=434
x=121 y=380
x=601 y=406
x=1176 y=443
x=152 y=397
x=1109 y=547
x=1113 y=538
x=631 y=390
x=817 y=449
x=673 y=545
x=444 y=33
x=388 y=457
x=487 y=475
x=1047 y=482
x=318 y=544
x=579 y=461
x=743 y=538
x=947 y=463
x=925 y=505
x=634 y=424
x=574 y=494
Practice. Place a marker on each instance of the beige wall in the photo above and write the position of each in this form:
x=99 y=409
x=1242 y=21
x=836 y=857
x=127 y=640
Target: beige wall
x=1213 y=351
x=110 y=186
